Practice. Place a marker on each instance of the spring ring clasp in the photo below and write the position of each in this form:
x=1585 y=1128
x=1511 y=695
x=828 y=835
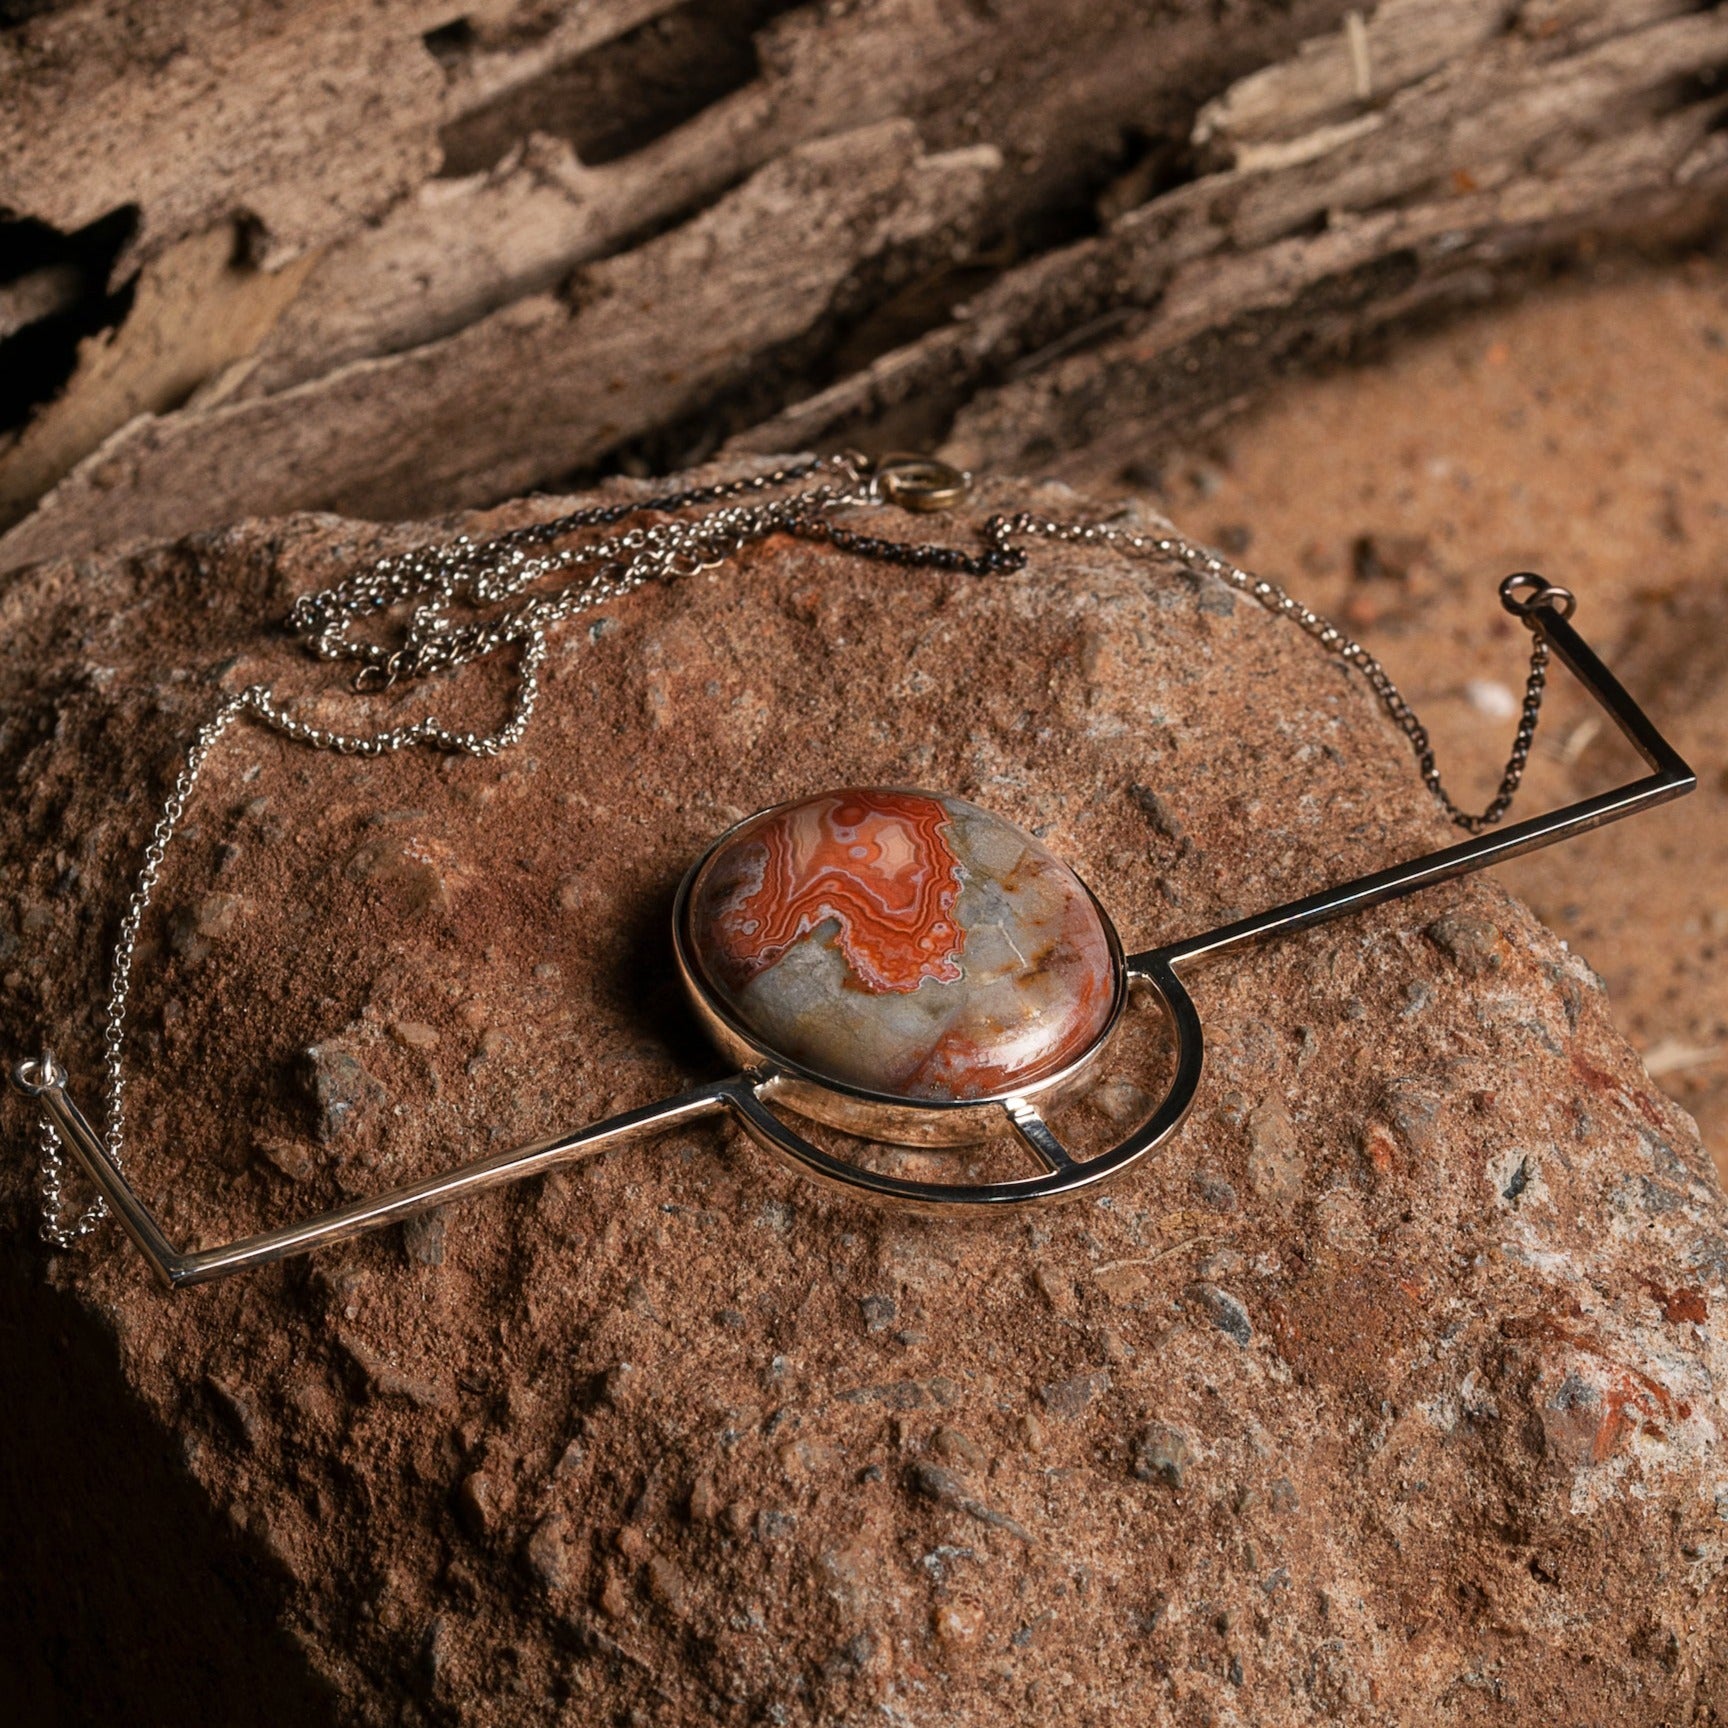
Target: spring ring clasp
x=919 y=483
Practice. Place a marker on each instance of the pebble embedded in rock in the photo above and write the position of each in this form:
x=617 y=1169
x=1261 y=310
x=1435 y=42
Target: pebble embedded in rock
x=297 y=1161
x=195 y=928
x=1223 y=1310
x=1474 y=945
x=1215 y=1192
x=953 y=1447
x=423 y=1237
x=1276 y=1167
x=948 y=1489
x=1162 y=1454
x=667 y=1583
x=1067 y=1398
x=614 y=1600
x=1056 y=1284
x=413 y=874
x=957 y=1623
x=547 y=1552
x=340 y=1090
x=1123 y=1101
x=477 y=1503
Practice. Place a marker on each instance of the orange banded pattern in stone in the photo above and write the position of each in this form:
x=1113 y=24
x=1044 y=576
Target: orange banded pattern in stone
x=876 y=863
x=903 y=943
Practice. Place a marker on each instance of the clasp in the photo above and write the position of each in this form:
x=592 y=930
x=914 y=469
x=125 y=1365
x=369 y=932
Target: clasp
x=38 y=1074
x=919 y=483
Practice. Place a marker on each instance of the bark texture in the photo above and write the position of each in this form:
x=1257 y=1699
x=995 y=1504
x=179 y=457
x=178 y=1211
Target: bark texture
x=390 y=261
x=1389 y=1393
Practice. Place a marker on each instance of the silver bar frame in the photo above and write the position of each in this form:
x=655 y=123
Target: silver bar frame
x=748 y=1095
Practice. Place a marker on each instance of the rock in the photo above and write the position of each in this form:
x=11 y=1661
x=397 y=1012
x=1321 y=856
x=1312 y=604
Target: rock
x=1379 y=1149
x=1387 y=557
x=423 y=1237
x=1222 y=1309
x=614 y=1598
x=1275 y=1164
x=1157 y=811
x=433 y=1655
x=953 y=1491
x=1067 y=1398
x=1474 y=945
x=339 y=1089
x=1215 y=1192
x=1123 y=1101
x=953 y=1447
x=1414 y=1112
x=1056 y=1285
x=411 y=874
x=1388 y=1424
x=193 y=929
x=477 y=1504
x=1161 y=1454
x=237 y=1404
x=547 y=1552
x=957 y=1623
x=385 y=1379
x=294 y=1158
x=667 y=1583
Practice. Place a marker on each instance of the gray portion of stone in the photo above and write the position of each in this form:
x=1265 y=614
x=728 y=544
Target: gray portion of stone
x=1014 y=893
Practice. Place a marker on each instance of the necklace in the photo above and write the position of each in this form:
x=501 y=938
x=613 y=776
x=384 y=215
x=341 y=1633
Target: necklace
x=894 y=964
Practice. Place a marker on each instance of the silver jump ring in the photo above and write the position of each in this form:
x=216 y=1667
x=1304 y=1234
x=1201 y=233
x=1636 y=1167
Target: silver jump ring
x=38 y=1074
x=1524 y=593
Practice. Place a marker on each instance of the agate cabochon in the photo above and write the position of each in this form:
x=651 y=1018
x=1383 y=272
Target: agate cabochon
x=902 y=943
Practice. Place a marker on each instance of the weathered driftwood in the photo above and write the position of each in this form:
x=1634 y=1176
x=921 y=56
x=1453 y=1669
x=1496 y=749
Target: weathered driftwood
x=321 y=319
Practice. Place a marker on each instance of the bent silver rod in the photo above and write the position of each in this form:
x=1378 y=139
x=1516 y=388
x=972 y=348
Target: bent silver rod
x=744 y=1095
x=1672 y=779
x=177 y=1270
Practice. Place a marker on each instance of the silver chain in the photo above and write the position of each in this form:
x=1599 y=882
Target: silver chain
x=1334 y=641
x=463 y=572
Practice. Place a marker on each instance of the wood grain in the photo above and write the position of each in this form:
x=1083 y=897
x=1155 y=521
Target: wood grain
x=1002 y=230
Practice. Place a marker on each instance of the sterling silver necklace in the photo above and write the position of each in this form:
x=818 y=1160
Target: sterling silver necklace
x=896 y=964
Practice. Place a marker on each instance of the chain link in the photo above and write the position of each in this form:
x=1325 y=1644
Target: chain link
x=1002 y=529
x=494 y=572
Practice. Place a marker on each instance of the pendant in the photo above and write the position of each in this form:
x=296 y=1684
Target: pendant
x=909 y=969
x=898 y=947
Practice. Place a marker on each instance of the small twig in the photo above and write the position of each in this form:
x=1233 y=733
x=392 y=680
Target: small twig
x=1361 y=60
x=1163 y=1254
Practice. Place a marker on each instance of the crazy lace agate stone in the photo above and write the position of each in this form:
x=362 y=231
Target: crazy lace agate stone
x=903 y=943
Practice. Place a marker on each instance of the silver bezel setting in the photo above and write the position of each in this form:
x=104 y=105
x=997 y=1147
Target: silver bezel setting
x=885 y=1116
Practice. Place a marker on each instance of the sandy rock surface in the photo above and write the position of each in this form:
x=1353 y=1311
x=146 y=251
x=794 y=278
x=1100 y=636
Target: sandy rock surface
x=1389 y=1392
